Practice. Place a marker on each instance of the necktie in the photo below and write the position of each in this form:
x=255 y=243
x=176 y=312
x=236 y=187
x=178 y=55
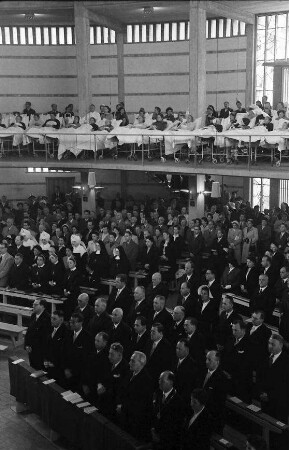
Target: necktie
x=138 y=337
x=163 y=399
x=206 y=379
x=153 y=348
x=74 y=337
x=53 y=332
x=271 y=360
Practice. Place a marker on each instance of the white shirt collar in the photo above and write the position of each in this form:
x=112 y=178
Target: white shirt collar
x=166 y=394
x=76 y=333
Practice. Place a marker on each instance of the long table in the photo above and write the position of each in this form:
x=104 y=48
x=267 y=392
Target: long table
x=31 y=297
x=85 y=431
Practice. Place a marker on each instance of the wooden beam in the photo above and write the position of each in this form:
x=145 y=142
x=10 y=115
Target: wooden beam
x=104 y=21
x=227 y=9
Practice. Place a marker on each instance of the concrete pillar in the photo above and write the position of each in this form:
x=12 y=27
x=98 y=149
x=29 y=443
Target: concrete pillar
x=83 y=59
x=120 y=66
x=87 y=194
x=196 y=205
x=277 y=85
x=274 y=192
x=197 y=59
x=250 y=64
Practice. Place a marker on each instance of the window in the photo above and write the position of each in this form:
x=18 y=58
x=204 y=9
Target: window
x=182 y=31
x=284 y=191
x=272 y=44
x=143 y=33
x=30 y=36
x=128 y=34
x=174 y=31
x=7 y=35
x=136 y=33
x=53 y=36
x=46 y=36
x=260 y=192
x=158 y=32
x=15 y=36
x=38 y=39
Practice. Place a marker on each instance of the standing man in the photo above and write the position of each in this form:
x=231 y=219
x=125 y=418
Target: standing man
x=37 y=333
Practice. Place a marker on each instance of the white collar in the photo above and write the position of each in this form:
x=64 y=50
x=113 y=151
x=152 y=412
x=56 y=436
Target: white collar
x=166 y=394
x=76 y=333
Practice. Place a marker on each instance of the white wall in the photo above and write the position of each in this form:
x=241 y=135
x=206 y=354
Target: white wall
x=155 y=74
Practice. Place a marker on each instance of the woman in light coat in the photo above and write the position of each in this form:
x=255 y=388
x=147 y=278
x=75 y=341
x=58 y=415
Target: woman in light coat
x=235 y=237
x=250 y=239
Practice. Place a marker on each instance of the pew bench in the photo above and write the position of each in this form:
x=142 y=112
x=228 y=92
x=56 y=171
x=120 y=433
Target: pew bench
x=19 y=311
x=54 y=301
x=13 y=331
x=254 y=414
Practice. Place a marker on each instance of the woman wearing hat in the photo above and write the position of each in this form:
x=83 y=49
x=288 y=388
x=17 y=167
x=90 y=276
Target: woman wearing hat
x=235 y=237
x=250 y=240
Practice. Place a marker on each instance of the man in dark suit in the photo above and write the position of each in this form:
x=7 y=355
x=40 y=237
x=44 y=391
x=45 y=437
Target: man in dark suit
x=120 y=296
x=196 y=341
x=196 y=245
x=215 y=383
x=268 y=269
x=156 y=287
x=258 y=337
x=281 y=284
x=95 y=373
x=140 y=306
x=85 y=309
x=37 y=333
x=114 y=387
x=75 y=350
x=200 y=426
x=191 y=278
x=159 y=353
x=215 y=290
x=101 y=320
x=275 y=384
x=186 y=371
x=168 y=414
x=135 y=405
x=207 y=316
x=120 y=331
x=161 y=315
x=263 y=298
x=249 y=277
x=235 y=361
x=187 y=300
x=177 y=331
x=140 y=336
x=223 y=330
x=131 y=249
x=25 y=251
x=53 y=348
x=19 y=275
x=177 y=242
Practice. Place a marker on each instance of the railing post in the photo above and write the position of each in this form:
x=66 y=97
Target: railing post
x=249 y=153
x=142 y=150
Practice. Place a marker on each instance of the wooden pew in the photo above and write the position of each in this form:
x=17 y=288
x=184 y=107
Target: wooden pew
x=136 y=276
x=266 y=422
x=13 y=331
x=108 y=282
x=31 y=297
x=19 y=311
x=243 y=301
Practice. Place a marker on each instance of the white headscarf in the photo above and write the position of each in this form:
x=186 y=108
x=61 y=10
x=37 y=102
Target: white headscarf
x=29 y=240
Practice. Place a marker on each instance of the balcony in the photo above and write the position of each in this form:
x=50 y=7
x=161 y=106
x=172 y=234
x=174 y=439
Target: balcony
x=190 y=153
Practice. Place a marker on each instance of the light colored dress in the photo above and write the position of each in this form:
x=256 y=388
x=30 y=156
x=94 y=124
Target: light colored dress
x=252 y=235
x=235 y=237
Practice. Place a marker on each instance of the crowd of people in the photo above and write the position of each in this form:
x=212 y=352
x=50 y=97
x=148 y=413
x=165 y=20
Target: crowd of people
x=260 y=115
x=162 y=375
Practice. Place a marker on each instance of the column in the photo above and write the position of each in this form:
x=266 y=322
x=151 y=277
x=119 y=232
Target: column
x=83 y=60
x=87 y=194
x=274 y=192
x=196 y=206
x=250 y=59
x=197 y=59
x=277 y=85
x=120 y=66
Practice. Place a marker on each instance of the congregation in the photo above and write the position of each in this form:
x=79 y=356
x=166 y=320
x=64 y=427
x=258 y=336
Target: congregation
x=113 y=128
x=163 y=375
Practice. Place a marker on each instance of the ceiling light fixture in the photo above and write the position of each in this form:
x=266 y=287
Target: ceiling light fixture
x=148 y=11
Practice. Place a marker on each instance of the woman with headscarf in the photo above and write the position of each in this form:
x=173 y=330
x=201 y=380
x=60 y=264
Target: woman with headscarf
x=97 y=266
x=119 y=263
x=44 y=239
x=230 y=280
x=40 y=275
x=72 y=284
x=28 y=239
x=79 y=252
x=167 y=255
x=150 y=257
x=56 y=275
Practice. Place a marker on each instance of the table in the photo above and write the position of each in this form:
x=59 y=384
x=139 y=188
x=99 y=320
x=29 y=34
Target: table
x=31 y=297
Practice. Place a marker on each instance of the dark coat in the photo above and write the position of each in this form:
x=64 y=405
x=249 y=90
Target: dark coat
x=122 y=334
x=177 y=333
x=168 y=419
x=36 y=338
x=40 y=275
x=99 y=323
x=160 y=360
x=137 y=405
x=152 y=292
x=190 y=304
x=187 y=378
x=123 y=301
x=88 y=313
x=57 y=275
x=217 y=389
x=197 y=348
x=142 y=309
x=53 y=352
x=140 y=345
x=276 y=384
x=163 y=317
x=207 y=319
x=251 y=282
x=264 y=300
x=199 y=433
x=19 y=277
x=223 y=329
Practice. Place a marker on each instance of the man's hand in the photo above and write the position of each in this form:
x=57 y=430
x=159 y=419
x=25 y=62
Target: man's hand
x=28 y=349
